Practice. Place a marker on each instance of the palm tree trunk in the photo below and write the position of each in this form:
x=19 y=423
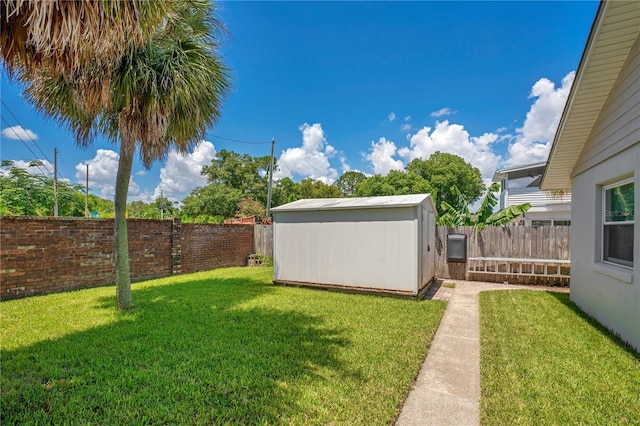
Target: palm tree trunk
x=123 y=277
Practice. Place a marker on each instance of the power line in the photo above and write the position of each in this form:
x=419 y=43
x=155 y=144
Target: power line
x=25 y=144
x=20 y=124
x=64 y=165
x=239 y=141
x=32 y=140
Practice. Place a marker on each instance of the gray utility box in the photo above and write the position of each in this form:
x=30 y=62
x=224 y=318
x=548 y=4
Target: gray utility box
x=456 y=248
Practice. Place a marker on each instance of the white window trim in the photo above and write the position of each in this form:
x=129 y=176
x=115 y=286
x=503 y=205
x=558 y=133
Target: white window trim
x=605 y=188
x=612 y=270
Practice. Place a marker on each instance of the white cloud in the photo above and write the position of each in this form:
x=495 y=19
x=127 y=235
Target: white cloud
x=344 y=167
x=45 y=169
x=391 y=116
x=454 y=139
x=450 y=138
x=530 y=143
x=533 y=140
x=19 y=133
x=181 y=173
x=309 y=160
x=103 y=169
x=442 y=112
x=405 y=127
x=381 y=156
x=407 y=118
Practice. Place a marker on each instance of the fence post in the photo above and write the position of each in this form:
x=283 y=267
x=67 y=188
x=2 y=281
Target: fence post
x=176 y=246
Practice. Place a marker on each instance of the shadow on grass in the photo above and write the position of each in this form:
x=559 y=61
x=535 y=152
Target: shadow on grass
x=186 y=354
x=615 y=339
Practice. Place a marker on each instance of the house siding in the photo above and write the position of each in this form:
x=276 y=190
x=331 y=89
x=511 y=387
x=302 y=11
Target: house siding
x=616 y=128
x=536 y=198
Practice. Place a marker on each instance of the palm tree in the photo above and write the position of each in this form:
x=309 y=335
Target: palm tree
x=64 y=35
x=162 y=95
x=79 y=40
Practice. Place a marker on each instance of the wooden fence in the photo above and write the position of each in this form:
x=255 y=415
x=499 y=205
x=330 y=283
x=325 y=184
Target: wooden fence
x=263 y=240
x=514 y=242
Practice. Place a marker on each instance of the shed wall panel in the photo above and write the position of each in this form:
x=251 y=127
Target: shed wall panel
x=371 y=248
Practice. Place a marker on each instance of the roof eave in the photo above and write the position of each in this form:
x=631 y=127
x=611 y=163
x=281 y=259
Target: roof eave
x=580 y=115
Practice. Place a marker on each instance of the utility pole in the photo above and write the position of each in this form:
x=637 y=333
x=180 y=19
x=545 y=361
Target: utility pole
x=55 y=182
x=86 y=197
x=273 y=143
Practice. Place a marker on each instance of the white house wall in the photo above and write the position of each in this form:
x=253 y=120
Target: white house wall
x=610 y=294
x=612 y=152
x=369 y=248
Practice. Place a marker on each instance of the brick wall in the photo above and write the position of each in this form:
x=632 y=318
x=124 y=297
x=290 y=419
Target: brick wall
x=45 y=255
x=208 y=247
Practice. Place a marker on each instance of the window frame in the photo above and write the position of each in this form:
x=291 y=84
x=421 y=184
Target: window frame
x=605 y=223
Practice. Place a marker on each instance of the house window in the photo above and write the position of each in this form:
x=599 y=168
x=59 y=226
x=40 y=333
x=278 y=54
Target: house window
x=538 y=223
x=617 y=224
x=562 y=222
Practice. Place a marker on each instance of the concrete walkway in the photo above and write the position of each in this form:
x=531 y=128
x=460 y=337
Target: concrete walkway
x=447 y=390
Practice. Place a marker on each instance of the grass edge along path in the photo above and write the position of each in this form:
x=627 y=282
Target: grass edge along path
x=544 y=361
x=223 y=346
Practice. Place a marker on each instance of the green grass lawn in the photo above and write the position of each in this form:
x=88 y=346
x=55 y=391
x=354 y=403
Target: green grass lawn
x=223 y=346
x=543 y=361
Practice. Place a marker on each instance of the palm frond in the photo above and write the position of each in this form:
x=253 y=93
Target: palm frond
x=66 y=35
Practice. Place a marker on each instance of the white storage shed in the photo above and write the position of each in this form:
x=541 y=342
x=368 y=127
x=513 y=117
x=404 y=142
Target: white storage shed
x=382 y=244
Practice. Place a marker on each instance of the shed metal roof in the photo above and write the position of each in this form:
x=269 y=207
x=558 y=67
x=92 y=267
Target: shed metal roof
x=355 y=203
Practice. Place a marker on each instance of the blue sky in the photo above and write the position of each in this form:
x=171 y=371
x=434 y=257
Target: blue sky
x=357 y=86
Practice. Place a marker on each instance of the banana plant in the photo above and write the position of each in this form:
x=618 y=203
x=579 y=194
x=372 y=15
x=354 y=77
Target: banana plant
x=459 y=214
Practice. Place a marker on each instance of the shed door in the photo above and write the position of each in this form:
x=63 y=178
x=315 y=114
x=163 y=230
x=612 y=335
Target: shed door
x=428 y=246
x=431 y=247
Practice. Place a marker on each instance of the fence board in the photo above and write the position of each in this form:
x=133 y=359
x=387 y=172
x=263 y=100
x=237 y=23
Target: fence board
x=526 y=242
x=263 y=240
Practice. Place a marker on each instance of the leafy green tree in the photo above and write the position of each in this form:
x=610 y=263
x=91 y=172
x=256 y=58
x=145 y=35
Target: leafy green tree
x=26 y=194
x=284 y=191
x=310 y=188
x=166 y=208
x=161 y=208
x=163 y=93
x=104 y=208
x=142 y=210
x=250 y=207
x=349 y=181
x=215 y=199
x=458 y=214
x=395 y=183
x=443 y=171
x=240 y=171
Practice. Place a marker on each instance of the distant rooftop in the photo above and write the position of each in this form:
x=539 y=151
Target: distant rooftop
x=354 y=203
x=517 y=171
